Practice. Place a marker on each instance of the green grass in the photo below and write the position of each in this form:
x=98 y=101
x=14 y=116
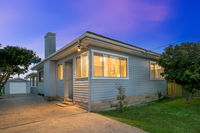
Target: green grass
x=167 y=116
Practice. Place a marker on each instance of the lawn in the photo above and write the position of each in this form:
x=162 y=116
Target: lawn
x=167 y=116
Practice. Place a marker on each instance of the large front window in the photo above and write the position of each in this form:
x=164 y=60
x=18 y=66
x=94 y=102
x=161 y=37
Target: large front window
x=112 y=66
x=155 y=71
x=82 y=65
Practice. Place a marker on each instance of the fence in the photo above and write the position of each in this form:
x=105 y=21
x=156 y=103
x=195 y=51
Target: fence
x=174 y=89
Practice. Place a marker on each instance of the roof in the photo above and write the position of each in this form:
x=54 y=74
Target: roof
x=31 y=74
x=95 y=36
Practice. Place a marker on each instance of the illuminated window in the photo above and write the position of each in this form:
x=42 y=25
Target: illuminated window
x=82 y=65
x=155 y=71
x=60 y=72
x=98 y=65
x=109 y=66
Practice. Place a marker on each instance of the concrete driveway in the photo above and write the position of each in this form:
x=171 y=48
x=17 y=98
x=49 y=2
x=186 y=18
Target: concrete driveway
x=33 y=114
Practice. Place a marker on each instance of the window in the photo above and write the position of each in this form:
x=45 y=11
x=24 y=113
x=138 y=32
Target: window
x=41 y=76
x=60 y=72
x=33 y=81
x=109 y=66
x=155 y=71
x=98 y=65
x=82 y=65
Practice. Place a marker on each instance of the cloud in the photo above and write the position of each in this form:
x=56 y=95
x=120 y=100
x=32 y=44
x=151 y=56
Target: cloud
x=121 y=15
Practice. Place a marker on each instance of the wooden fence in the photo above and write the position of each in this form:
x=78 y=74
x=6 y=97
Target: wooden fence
x=174 y=89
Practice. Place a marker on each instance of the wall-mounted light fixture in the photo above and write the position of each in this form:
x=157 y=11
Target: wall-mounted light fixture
x=79 y=48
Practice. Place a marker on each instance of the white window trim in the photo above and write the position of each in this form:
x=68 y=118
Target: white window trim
x=153 y=62
x=81 y=64
x=112 y=54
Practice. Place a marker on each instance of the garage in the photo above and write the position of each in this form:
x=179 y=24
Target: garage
x=17 y=86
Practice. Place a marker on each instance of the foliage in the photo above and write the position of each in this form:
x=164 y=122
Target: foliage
x=122 y=103
x=166 y=116
x=182 y=64
x=14 y=60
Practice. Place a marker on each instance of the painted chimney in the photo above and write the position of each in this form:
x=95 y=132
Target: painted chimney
x=50 y=43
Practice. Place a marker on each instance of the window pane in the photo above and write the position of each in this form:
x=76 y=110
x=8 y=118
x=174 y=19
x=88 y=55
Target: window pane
x=98 y=65
x=123 y=68
x=152 y=74
x=158 y=71
x=78 y=66
x=84 y=66
x=113 y=66
x=41 y=76
x=106 y=65
x=60 y=72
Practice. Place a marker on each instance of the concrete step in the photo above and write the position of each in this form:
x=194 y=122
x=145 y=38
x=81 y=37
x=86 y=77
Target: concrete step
x=67 y=103
x=68 y=99
x=61 y=105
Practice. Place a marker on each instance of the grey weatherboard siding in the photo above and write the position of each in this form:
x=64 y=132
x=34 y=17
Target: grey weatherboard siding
x=139 y=82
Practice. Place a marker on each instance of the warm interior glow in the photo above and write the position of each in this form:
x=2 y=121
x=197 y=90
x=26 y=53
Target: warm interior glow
x=79 y=48
x=98 y=71
x=82 y=65
x=109 y=66
x=60 y=72
x=123 y=67
x=156 y=70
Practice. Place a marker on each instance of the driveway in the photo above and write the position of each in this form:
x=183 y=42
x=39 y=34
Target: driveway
x=33 y=114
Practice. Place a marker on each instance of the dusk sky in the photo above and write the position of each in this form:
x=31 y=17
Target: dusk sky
x=150 y=24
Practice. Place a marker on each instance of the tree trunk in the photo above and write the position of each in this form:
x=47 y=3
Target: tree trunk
x=3 y=82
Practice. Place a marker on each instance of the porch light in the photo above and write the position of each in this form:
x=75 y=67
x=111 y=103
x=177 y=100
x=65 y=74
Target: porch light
x=79 y=48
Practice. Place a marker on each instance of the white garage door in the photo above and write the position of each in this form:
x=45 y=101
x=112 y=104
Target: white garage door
x=17 y=88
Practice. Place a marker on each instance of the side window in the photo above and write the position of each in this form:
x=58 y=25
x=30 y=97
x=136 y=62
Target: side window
x=60 y=72
x=41 y=76
x=155 y=71
x=82 y=65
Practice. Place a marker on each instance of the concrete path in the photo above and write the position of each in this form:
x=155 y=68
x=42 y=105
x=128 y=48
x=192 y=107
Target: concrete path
x=32 y=114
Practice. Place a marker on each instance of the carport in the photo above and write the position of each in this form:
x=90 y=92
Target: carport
x=17 y=86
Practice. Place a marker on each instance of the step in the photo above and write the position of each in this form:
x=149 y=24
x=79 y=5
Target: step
x=67 y=103
x=68 y=99
x=61 y=105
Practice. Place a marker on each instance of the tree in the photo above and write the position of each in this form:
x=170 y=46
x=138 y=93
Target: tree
x=182 y=64
x=14 y=60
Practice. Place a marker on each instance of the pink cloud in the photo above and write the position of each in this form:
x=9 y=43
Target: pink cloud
x=122 y=15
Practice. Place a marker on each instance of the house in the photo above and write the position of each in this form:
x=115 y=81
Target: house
x=88 y=70
x=32 y=77
x=17 y=86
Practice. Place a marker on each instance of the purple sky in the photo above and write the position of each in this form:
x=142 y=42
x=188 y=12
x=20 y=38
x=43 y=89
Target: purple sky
x=145 y=23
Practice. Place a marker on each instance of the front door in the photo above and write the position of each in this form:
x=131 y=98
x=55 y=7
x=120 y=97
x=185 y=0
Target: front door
x=69 y=79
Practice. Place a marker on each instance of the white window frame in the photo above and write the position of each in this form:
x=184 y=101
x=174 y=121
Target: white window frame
x=81 y=64
x=153 y=62
x=112 y=54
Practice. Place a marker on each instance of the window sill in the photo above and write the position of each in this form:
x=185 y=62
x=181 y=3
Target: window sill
x=110 y=78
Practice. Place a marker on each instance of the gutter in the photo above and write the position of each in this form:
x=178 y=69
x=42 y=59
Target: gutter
x=99 y=38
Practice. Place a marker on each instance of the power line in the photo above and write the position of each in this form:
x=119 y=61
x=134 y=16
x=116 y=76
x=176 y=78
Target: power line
x=173 y=43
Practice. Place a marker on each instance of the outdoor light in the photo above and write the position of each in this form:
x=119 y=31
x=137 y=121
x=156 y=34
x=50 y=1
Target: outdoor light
x=79 y=48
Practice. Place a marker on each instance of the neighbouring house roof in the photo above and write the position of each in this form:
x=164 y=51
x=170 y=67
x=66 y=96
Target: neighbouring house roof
x=31 y=74
x=17 y=80
x=91 y=37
